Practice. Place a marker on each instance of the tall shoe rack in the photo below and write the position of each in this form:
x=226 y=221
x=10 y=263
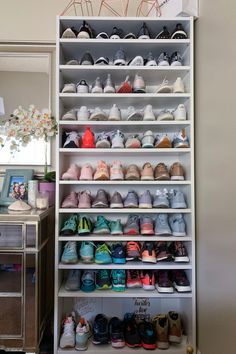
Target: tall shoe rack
x=112 y=303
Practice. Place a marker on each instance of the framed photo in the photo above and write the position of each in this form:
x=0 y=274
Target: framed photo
x=15 y=185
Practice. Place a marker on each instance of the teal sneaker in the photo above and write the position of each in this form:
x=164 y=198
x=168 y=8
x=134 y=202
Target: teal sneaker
x=70 y=226
x=101 y=226
x=88 y=281
x=69 y=255
x=87 y=252
x=103 y=254
x=116 y=227
x=83 y=333
x=118 y=279
x=84 y=226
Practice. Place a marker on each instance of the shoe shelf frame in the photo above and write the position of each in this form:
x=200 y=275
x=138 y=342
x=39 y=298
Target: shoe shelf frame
x=185 y=303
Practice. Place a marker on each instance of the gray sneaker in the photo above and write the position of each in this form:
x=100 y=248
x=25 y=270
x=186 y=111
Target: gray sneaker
x=161 y=199
x=101 y=200
x=177 y=200
x=177 y=225
x=161 y=225
x=103 y=141
x=132 y=225
x=131 y=200
x=116 y=201
x=72 y=282
x=145 y=200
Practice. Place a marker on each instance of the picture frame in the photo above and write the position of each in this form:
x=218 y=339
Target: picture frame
x=15 y=185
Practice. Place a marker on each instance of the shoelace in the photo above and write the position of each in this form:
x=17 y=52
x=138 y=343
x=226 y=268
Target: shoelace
x=68 y=327
x=132 y=246
x=102 y=274
x=103 y=249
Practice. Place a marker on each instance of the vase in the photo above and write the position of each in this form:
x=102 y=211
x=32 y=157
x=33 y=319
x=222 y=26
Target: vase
x=48 y=187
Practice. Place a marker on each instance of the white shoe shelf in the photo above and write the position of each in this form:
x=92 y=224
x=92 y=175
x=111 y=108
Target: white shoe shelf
x=109 y=302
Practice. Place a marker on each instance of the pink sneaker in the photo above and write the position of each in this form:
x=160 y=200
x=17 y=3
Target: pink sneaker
x=102 y=172
x=84 y=198
x=116 y=171
x=86 y=173
x=72 y=174
x=70 y=201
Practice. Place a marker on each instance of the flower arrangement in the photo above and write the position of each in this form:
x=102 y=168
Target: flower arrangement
x=26 y=125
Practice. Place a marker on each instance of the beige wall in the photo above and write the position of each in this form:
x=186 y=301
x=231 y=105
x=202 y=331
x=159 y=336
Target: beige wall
x=215 y=154
x=215 y=77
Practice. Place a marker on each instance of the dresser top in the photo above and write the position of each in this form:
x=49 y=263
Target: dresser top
x=31 y=215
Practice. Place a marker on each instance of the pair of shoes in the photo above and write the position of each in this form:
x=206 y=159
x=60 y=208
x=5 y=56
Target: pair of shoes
x=74 y=336
x=174 y=59
x=81 y=87
x=107 y=87
x=178 y=33
x=176 y=87
x=138 y=334
x=105 y=331
x=81 y=114
x=163 y=140
x=167 y=281
x=80 y=200
x=178 y=114
x=84 y=32
x=168 y=329
x=164 y=225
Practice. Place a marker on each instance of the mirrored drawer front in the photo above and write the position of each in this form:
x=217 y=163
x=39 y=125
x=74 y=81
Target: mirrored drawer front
x=11 y=268
x=11 y=236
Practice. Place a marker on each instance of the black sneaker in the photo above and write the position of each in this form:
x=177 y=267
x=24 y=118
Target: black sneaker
x=147 y=334
x=102 y=35
x=162 y=252
x=164 y=34
x=180 y=280
x=85 y=31
x=176 y=59
x=116 y=330
x=144 y=32
x=102 y=61
x=179 y=32
x=100 y=330
x=103 y=280
x=116 y=33
x=118 y=253
x=69 y=32
x=87 y=59
x=132 y=337
x=179 y=252
x=150 y=60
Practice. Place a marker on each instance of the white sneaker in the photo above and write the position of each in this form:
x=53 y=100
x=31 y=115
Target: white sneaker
x=98 y=114
x=164 y=87
x=139 y=84
x=165 y=115
x=137 y=61
x=82 y=87
x=148 y=113
x=115 y=113
x=134 y=114
x=97 y=86
x=67 y=339
x=109 y=85
x=83 y=113
x=180 y=112
x=69 y=88
x=69 y=115
x=117 y=140
x=178 y=86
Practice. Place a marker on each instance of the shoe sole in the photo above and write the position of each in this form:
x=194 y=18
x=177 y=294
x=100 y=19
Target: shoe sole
x=163 y=345
x=165 y=233
x=71 y=261
x=133 y=345
x=131 y=206
x=117 y=344
x=177 y=178
x=162 y=289
x=100 y=205
x=147 y=178
x=178 y=233
x=148 y=287
x=135 y=117
x=174 y=339
x=139 y=91
x=134 y=285
x=149 y=259
x=119 y=62
x=167 y=89
x=81 y=348
x=98 y=117
x=182 y=289
x=102 y=231
x=116 y=206
x=179 y=206
x=147 y=232
x=103 y=145
x=181 y=146
x=116 y=178
x=161 y=206
x=86 y=260
x=163 y=146
x=132 y=178
x=181 y=259
x=132 y=232
x=149 y=346
x=102 y=177
x=145 y=206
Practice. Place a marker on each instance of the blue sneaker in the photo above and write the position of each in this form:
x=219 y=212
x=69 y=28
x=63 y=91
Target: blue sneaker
x=103 y=254
x=118 y=279
x=118 y=254
x=69 y=255
x=131 y=200
x=177 y=200
x=162 y=225
x=103 y=280
x=177 y=225
x=180 y=140
x=70 y=226
x=88 y=281
x=101 y=226
x=100 y=330
x=87 y=252
x=116 y=227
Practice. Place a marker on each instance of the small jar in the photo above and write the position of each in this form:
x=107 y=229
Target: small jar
x=42 y=200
